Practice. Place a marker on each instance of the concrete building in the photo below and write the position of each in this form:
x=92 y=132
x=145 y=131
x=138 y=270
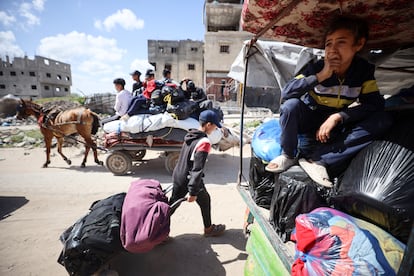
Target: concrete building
x=184 y=58
x=208 y=62
x=36 y=78
x=223 y=40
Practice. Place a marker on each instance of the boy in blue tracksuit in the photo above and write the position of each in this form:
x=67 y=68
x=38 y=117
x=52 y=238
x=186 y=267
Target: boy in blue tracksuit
x=189 y=172
x=318 y=102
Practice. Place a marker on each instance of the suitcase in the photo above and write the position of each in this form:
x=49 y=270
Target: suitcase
x=145 y=219
x=294 y=193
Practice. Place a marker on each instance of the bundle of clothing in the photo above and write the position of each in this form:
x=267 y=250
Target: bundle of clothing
x=329 y=242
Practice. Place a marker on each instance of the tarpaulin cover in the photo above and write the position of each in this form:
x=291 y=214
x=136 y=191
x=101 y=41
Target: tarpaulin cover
x=329 y=242
x=378 y=186
x=304 y=22
x=266 y=140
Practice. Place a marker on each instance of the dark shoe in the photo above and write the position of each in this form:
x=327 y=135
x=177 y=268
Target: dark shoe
x=214 y=230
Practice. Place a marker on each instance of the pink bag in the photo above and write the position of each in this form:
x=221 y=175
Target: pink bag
x=145 y=218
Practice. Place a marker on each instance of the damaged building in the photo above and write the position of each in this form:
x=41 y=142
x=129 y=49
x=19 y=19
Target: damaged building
x=34 y=78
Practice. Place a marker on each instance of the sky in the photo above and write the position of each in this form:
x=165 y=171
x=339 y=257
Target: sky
x=101 y=40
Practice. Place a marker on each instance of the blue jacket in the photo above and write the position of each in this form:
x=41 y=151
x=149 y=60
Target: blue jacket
x=335 y=95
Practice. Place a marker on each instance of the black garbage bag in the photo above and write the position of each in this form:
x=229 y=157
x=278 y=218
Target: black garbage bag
x=378 y=186
x=93 y=239
x=295 y=193
x=261 y=182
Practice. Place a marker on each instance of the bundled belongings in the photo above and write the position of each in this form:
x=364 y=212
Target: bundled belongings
x=378 y=186
x=295 y=193
x=261 y=182
x=266 y=140
x=329 y=242
x=94 y=239
x=145 y=219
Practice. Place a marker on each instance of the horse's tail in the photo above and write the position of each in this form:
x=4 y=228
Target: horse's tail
x=95 y=124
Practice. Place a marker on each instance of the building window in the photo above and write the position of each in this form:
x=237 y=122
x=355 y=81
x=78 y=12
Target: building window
x=194 y=49
x=34 y=87
x=58 y=77
x=32 y=74
x=161 y=49
x=191 y=67
x=12 y=73
x=1 y=73
x=46 y=87
x=224 y=49
x=22 y=73
x=2 y=86
x=57 y=89
x=174 y=50
x=48 y=75
x=67 y=78
x=66 y=89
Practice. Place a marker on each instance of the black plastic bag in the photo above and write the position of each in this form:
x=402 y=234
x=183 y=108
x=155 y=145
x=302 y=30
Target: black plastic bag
x=94 y=239
x=294 y=193
x=378 y=186
x=261 y=182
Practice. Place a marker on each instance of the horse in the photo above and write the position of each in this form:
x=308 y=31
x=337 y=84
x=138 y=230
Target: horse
x=59 y=124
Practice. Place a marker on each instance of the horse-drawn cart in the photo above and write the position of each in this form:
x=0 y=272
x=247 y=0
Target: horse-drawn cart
x=126 y=148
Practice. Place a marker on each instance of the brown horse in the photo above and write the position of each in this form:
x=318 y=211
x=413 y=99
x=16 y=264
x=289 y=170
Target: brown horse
x=60 y=124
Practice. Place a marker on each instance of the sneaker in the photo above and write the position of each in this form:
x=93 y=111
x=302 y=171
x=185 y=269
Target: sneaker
x=316 y=172
x=280 y=164
x=214 y=230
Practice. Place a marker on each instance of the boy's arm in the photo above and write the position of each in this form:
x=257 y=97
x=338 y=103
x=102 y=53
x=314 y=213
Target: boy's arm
x=302 y=83
x=197 y=172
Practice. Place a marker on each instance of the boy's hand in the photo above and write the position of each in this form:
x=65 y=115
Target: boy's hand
x=331 y=65
x=192 y=198
x=324 y=131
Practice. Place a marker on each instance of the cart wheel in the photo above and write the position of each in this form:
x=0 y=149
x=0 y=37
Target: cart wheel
x=119 y=163
x=137 y=155
x=171 y=161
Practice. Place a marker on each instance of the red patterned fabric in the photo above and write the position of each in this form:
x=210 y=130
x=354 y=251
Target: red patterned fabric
x=391 y=21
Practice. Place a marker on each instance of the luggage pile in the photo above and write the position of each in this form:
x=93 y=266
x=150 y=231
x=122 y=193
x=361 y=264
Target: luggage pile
x=135 y=221
x=376 y=187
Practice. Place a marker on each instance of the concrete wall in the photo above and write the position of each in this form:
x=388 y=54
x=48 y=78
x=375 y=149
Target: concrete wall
x=183 y=57
x=216 y=62
x=37 y=78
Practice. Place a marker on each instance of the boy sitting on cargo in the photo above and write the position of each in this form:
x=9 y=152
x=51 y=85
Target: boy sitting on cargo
x=318 y=103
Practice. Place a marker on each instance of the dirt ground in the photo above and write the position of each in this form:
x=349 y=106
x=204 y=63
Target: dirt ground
x=37 y=205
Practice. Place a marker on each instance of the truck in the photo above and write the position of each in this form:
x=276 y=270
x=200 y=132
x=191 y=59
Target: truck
x=262 y=68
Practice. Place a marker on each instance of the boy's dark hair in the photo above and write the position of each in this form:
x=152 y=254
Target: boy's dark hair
x=119 y=81
x=358 y=26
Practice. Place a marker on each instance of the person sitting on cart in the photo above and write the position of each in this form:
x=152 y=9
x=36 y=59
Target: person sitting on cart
x=122 y=101
x=189 y=171
x=136 y=86
x=318 y=103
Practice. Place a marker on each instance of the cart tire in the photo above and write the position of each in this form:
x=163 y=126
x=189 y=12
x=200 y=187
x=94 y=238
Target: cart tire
x=119 y=163
x=138 y=155
x=171 y=161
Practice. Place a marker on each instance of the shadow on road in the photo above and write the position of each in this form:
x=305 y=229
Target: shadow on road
x=9 y=204
x=188 y=254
